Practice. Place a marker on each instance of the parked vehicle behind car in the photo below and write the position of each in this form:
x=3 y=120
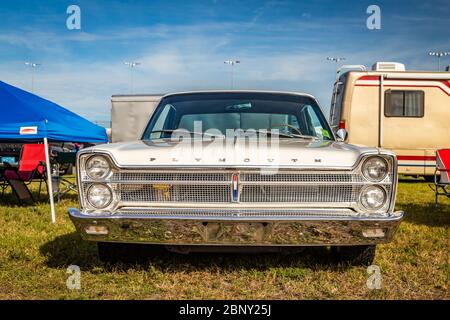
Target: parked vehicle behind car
x=396 y=109
x=229 y=169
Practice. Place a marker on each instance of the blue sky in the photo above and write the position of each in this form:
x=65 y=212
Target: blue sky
x=181 y=45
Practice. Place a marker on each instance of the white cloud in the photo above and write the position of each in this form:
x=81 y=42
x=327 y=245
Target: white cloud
x=164 y=62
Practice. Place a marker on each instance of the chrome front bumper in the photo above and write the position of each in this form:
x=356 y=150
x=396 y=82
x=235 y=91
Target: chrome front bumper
x=236 y=231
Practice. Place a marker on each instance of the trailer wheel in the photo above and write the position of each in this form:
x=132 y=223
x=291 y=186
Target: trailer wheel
x=354 y=255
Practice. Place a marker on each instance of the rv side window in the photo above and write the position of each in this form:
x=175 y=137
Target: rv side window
x=400 y=103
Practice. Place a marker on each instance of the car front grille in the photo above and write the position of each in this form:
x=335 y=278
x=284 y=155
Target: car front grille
x=299 y=194
x=142 y=187
x=175 y=193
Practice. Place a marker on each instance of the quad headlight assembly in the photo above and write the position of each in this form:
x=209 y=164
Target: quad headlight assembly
x=96 y=191
x=379 y=189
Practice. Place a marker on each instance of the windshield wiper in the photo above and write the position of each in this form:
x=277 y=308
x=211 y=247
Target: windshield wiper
x=288 y=135
x=261 y=131
x=186 y=131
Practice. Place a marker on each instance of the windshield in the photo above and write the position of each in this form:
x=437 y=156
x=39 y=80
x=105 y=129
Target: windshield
x=292 y=116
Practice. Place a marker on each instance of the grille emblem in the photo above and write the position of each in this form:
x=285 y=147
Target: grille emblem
x=234 y=187
x=163 y=191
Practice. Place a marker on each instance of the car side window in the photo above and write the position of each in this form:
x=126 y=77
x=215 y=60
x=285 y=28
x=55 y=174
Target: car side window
x=404 y=103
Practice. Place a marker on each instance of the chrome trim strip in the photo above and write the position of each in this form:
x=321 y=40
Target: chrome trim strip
x=228 y=167
x=241 y=182
x=236 y=205
x=398 y=215
x=271 y=213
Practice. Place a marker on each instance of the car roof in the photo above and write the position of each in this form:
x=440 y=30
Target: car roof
x=241 y=91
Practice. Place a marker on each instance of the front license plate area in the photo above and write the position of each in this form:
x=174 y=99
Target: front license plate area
x=234 y=232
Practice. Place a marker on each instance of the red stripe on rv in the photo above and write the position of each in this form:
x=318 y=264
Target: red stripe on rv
x=447 y=83
x=417 y=158
x=369 y=78
x=406 y=86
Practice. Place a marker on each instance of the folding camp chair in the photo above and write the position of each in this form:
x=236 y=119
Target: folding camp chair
x=441 y=186
x=65 y=160
x=31 y=168
x=3 y=183
x=20 y=189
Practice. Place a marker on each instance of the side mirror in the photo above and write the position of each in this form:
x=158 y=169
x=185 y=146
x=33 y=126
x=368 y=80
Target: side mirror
x=341 y=135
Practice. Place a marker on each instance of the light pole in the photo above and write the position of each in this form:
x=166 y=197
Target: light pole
x=32 y=66
x=335 y=59
x=439 y=55
x=132 y=65
x=232 y=63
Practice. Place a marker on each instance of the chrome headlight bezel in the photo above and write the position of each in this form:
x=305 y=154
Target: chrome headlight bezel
x=106 y=170
x=388 y=183
x=365 y=190
x=85 y=182
x=366 y=163
x=107 y=203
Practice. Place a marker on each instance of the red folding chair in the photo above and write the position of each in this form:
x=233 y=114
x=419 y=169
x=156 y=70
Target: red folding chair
x=441 y=185
x=31 y=166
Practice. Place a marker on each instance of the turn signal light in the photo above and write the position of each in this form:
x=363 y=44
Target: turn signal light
x=96 y=230
x=374 y=233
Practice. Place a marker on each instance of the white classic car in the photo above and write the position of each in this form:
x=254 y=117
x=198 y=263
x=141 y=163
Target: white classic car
x=219 y=170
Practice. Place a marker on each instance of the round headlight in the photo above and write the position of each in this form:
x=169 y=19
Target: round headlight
x=98 y=167
x=99 y=196
x=375 y=169
x=373 y=197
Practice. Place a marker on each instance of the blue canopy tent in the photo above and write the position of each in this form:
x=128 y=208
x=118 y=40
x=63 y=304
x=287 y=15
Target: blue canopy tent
x=28 y=117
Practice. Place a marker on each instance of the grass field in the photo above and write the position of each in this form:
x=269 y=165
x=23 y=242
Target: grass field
x=34 y=256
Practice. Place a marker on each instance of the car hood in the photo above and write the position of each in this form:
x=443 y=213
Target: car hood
x=218 y=153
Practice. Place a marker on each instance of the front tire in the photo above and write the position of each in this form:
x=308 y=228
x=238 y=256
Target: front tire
x=354 y=255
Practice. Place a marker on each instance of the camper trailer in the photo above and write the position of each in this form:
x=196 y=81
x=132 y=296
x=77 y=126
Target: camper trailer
x=389 y=107
x=130 y=114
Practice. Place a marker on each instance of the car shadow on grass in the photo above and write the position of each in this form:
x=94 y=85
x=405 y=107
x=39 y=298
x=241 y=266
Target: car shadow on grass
x=70 y=249
x=427 y=214
x=404 y=179
x=9 y=199
x=313 y=258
